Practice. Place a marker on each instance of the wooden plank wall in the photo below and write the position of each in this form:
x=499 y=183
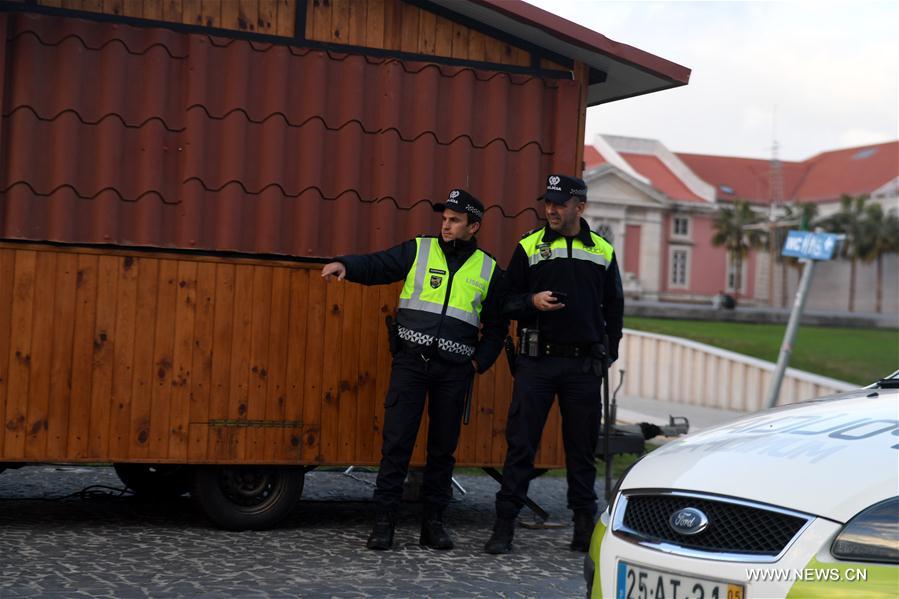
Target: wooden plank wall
x=381 y=24
x=398 y=25
x=270 y=17
x=173 y=358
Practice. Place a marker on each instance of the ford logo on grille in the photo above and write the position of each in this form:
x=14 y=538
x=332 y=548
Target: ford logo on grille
x=688 y=521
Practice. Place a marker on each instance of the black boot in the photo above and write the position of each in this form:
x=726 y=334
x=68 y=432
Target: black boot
x=433 y=530
x=583 y=531
x=501 y=539
x=381 y=536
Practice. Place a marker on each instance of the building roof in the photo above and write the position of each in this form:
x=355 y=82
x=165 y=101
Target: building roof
x=823 y=178
x=617 y=70
x=661 y=177
x=592 y=158
x=854 y=171
x=742 y=178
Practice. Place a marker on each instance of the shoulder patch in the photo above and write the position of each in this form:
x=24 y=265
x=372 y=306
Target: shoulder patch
x=531 y=232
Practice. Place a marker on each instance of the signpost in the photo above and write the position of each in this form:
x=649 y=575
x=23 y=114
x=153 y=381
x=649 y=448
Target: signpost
x=809 y=247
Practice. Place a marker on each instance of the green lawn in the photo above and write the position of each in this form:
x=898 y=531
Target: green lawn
x=854 y=355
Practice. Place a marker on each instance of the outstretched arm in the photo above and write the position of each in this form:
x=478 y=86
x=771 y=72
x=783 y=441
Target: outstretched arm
x=334 y=269
x=377 y=268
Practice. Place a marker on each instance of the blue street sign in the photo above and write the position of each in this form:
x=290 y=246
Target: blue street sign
x=806 y=244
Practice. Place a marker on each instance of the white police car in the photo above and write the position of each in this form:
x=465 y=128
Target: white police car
x=797 y=501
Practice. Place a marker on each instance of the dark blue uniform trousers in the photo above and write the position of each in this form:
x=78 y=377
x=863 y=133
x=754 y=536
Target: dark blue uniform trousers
x=445 y=384
x=537 y=381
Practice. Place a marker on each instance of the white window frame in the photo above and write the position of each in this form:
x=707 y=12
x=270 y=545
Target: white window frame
x=728 y=274
x=687 y=255
x=687 y=223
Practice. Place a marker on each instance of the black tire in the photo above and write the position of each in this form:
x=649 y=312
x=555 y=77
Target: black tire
x=159 y=481
x=248 y=497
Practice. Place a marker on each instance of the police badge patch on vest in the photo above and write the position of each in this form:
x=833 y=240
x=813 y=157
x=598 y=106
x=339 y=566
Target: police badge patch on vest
x=545 y=251
x=436 y=277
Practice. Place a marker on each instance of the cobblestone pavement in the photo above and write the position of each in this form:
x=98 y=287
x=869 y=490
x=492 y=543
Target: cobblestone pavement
x=105 y=546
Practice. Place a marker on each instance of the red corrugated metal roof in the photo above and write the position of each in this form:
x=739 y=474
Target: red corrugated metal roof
x=660 y=176
x=628 y=71
x=588 y=39
x=146 y=136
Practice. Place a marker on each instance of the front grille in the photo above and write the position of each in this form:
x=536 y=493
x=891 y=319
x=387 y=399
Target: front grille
x=733 y=527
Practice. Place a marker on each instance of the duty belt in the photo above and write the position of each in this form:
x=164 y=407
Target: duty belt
x=564 y=350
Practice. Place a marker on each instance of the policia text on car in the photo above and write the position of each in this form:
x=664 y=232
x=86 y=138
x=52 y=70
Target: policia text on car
x=564 y=289
x=451 y=289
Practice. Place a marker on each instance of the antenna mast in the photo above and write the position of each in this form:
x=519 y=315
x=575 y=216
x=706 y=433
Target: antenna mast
x=776 y=183
x=776 y=197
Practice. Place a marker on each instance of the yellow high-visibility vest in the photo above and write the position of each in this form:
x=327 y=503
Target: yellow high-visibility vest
x=427 y=315
x=537 y=251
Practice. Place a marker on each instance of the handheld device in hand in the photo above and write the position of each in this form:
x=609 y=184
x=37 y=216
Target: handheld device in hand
x=560 y=296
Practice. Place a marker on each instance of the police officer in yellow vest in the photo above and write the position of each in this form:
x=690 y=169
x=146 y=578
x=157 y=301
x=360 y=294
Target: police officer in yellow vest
x=565 y=291
x=450 y=325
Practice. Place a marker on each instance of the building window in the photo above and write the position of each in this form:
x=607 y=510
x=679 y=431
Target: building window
x=732 y=275
x=680 y=261
x=681 y=226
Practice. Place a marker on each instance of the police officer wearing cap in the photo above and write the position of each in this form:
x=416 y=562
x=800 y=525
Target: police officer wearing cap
x=449 y=326
x=564 y=289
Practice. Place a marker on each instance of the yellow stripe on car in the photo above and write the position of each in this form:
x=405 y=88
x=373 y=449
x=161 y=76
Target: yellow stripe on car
x=846 y=579
x=595 y=542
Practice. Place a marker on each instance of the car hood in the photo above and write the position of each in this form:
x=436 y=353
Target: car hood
x=830 y=457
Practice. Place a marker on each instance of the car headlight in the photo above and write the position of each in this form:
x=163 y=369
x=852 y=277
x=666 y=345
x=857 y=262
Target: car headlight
x=870 y=536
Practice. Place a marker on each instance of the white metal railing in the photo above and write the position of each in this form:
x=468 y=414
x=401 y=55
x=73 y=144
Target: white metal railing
x=683 y=371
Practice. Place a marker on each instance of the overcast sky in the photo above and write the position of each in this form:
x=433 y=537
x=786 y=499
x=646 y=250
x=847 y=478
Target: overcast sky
x=830 y=68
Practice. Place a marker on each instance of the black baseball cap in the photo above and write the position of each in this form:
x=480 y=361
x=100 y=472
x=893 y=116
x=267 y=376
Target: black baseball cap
x=460 y=200
x=561 y=187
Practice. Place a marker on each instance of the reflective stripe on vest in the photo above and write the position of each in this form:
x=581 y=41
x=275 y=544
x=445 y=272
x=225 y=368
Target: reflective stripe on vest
x=537 y=251
x=428 y=279
x=453 y=347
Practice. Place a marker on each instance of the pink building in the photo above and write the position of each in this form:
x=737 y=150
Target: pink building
x=659 y=207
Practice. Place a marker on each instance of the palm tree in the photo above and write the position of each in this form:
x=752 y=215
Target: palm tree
x=882 y=233
x=733 y=232
x=851 y=221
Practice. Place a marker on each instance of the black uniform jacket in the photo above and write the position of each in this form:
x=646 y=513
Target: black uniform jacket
x=595 y=303
x=394 y=264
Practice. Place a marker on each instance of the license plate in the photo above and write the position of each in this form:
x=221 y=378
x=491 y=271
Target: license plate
x=639 y=582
